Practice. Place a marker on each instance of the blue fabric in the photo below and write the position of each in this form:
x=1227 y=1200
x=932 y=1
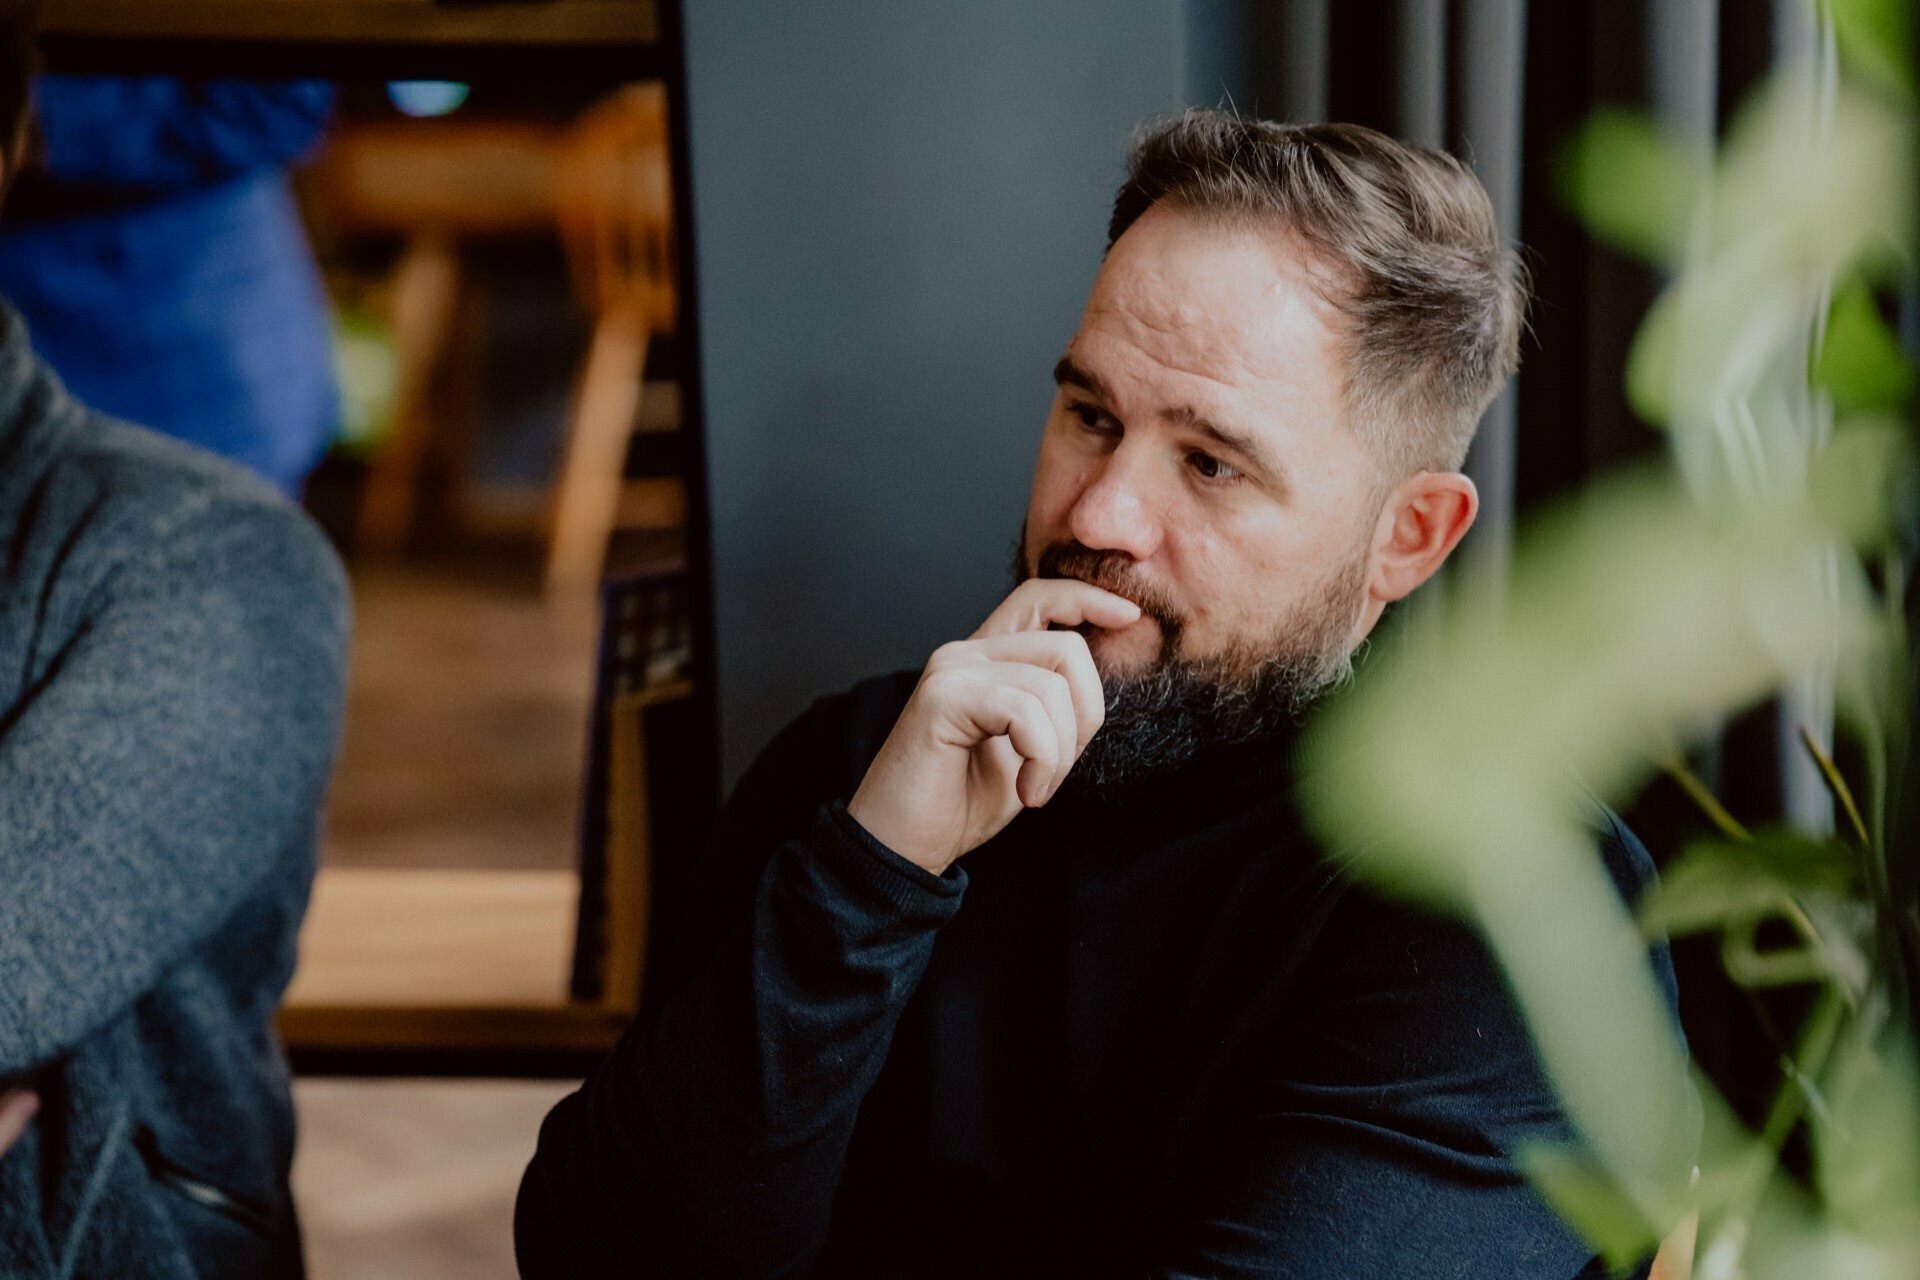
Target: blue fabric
x=180 y=292
x=172 y=655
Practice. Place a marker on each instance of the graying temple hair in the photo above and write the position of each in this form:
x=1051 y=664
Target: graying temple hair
x=1407 y=239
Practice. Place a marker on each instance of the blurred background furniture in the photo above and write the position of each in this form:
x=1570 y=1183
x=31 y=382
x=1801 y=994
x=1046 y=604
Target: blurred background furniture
x=450 y=968
x=446 y=188
x=404 y=36
x=422 y=962
x=443 y=188
x=616 y=219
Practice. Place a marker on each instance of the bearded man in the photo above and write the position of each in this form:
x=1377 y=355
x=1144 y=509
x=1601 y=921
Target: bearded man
x=1022 y=964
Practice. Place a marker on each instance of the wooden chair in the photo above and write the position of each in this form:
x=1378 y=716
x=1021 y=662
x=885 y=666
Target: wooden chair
x=443 y=188
x=614 y=205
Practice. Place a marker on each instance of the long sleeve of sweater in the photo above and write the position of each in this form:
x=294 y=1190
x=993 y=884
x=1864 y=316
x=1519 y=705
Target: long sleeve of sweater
x=173 y=748
x=712 y=1142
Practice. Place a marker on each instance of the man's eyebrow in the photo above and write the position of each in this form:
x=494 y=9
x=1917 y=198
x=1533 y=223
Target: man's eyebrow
x=1239 y=441
x=1069 y=374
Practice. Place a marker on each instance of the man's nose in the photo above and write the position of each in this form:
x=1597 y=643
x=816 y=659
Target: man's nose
x=1115 y=512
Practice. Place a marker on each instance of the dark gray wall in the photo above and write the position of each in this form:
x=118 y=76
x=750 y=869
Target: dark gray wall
x=899 y=205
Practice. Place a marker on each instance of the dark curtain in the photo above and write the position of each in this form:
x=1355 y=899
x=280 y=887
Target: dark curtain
x=1503 y=84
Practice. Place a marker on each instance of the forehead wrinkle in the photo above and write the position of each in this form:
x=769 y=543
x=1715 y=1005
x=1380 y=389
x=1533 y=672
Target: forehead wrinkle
x=1224 y=366
x=1266 y=339
x=1183 y=274
x=1176 y=347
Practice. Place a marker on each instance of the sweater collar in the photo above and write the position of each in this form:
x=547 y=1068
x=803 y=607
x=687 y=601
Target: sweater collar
x=1216 y=781
x=30 y=395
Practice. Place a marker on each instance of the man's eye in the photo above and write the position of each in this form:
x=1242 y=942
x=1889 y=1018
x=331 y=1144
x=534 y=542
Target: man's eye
x=1210 y=467
x=1091 y=417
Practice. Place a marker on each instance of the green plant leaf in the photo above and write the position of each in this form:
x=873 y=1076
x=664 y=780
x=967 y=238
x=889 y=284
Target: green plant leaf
x=1716 y=883
x=1860 y=364
x=1651 y=360
x=1867 y=1151
x=1631 y=181
x=1857 y=482
x=1876 y=41
x=1589 y=1200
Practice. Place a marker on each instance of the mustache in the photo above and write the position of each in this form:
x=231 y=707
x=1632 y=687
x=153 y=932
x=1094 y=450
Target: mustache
x=1110 y=571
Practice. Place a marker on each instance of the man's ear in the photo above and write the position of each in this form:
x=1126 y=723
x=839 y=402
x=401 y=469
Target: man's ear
x=1420 y=525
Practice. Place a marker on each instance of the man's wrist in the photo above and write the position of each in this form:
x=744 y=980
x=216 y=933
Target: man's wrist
x=869 y=861
x=870 y=819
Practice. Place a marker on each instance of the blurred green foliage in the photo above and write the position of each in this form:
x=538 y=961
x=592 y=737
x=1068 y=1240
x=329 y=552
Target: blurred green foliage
x=367 y=367
x=1765 y=558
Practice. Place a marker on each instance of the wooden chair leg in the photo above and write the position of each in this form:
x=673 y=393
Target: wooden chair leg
x=587 y=489
x=426 y=290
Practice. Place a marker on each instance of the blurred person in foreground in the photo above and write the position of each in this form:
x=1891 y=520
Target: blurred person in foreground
x=152 y=245
x=1022 y=964
x=172 y=651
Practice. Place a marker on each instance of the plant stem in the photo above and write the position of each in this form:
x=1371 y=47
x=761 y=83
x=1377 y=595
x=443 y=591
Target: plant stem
x=1709 y=803
x=1836 y=784
x=1789 y=1104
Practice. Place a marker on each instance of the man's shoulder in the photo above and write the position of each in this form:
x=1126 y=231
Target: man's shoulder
x=1628 y=864
x=116 y=511
x=134 y=479
x=160 y=478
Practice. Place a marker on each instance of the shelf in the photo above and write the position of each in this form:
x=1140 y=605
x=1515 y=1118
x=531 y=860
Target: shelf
x=610 y=41
x=409 y=938
x=552 y=22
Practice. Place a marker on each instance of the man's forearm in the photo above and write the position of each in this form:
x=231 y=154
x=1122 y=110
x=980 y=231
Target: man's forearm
x=179 y=752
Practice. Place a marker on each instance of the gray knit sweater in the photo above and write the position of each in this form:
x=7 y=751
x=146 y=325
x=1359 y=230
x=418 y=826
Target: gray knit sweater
x=172 y=650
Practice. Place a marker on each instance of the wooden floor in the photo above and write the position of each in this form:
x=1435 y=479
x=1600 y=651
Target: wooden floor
x=466 y=721
x=447 y=877
x=448 y=869
x=414 y=1179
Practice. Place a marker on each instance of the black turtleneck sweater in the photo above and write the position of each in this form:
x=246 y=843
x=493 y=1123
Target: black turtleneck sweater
x=1149 y=1036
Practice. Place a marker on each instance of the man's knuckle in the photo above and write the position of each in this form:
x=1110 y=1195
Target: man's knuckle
x=942 y=685
x=949 y=654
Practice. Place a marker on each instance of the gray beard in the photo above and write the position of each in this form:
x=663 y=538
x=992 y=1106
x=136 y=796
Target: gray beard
x=1164 y=716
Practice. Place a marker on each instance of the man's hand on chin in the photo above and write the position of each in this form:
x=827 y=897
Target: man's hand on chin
x=994 y=725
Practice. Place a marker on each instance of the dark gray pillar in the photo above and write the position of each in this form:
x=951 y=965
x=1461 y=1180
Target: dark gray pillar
x=1683 y=56
x=1487 y=83
x=1220 y=54
x=1304 y=28
x=1420 y=57
x=900 y=208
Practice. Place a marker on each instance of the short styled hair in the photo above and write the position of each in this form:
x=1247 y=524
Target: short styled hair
x=1407 y=246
